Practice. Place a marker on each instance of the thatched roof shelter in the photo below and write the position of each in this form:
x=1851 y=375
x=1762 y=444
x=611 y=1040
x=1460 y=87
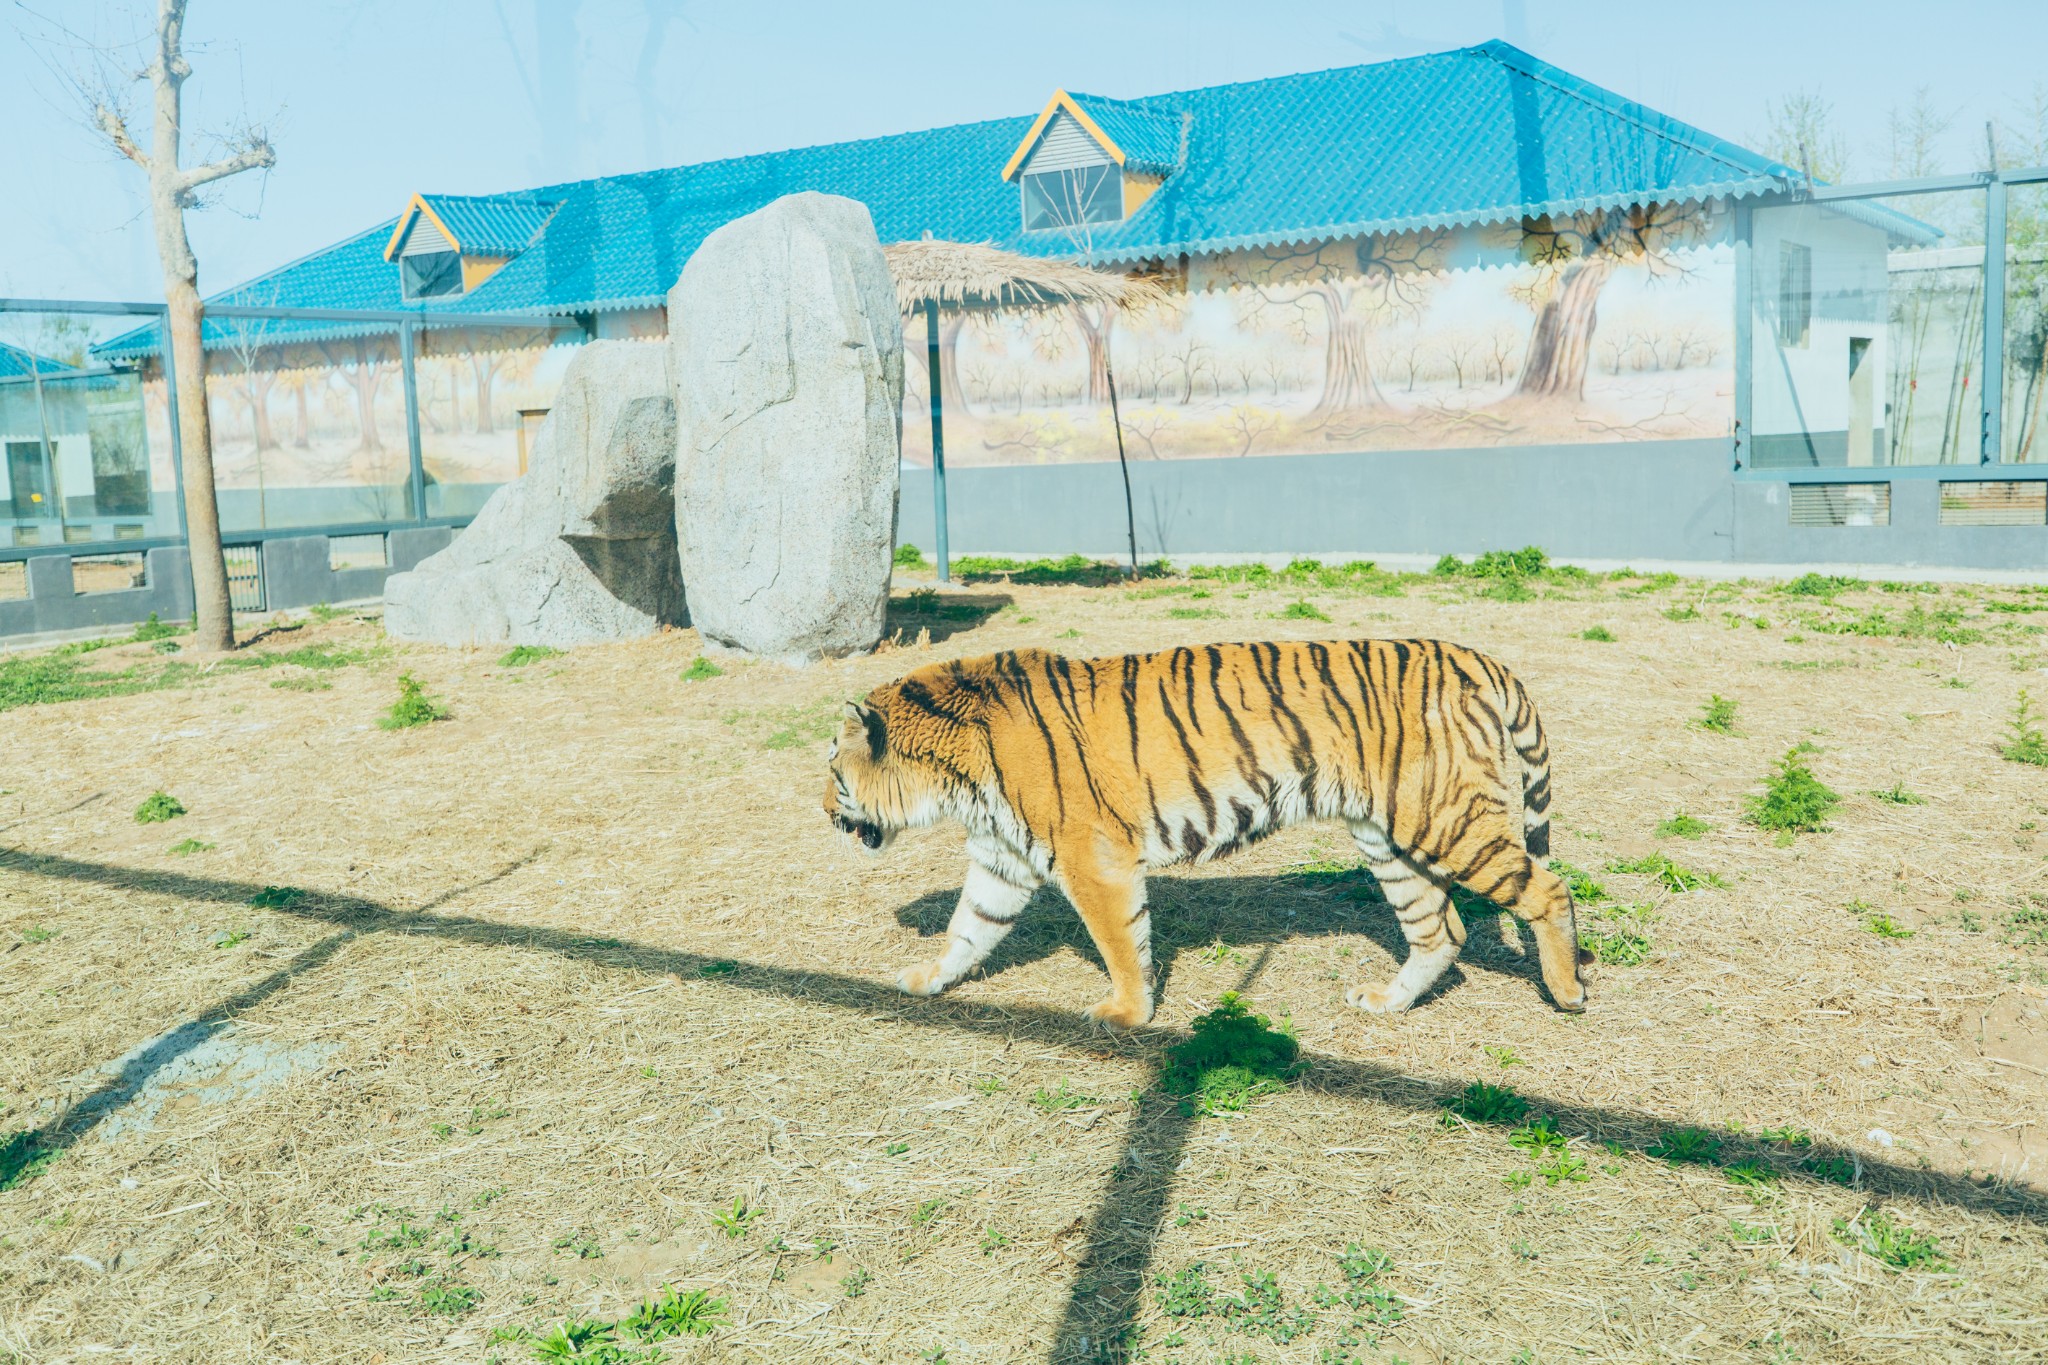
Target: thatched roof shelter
x=976 y=275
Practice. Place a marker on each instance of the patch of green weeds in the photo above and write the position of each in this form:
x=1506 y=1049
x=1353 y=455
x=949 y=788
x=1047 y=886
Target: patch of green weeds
x=803 y=726
x=1752 y=1173
x=231 y=938
x=723 y=966
x=737 y=1221
x=1490 y=1104
x=856 y=1284
x=669 y=1314
x=1073 y=570
x=35 y=934
x=1897 y=795
x=2024 y=740
x=1682 y=826
x=1231 y=1057
x=896 y=1149
x=1562 y=1166
x=1538 y=1136
x=1303 y=610
x=1686 y=1147
x=700 y=669
x=160 y=806
x=185 y=847
x=992 y=1241
x=1674 y=878
x=1063 y=1098
x=448 y=1300
x=1190 y=1214
x=413 y=707
x=908 y=556
x=1598 y=634
x=302 y=682
x=1585 y=891
x=1833 y=1167
x=23 y=1157
x=1502 y=1054
x=1718 y=715
x=1821 y=585
x=1880 y=1236
x=519 y=656
x=276 y=898
x=1794 y=801
x=1196 y=614
x=1884 y=926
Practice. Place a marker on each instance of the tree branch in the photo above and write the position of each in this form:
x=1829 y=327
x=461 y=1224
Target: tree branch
x=256 y=156
x=108 y=120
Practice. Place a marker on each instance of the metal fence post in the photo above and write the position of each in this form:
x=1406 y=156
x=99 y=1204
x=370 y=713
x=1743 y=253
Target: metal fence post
x=412 y=421
x=1991 y=393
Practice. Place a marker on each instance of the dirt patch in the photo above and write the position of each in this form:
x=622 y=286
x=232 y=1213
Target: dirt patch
x=573 y=995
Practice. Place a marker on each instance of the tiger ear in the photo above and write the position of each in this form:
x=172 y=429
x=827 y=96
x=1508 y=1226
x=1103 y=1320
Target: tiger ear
x=865 y=723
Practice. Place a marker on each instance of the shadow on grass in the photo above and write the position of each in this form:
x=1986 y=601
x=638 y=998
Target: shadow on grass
x=1102 y=1308
x=941 y=615
x=1224 y=914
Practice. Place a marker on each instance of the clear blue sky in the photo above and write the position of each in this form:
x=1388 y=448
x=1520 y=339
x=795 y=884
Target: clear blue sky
x=370 y=100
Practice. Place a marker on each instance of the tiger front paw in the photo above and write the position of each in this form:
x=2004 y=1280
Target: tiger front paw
x=1377 y=999
x=1115 y=1013
x=923 y=979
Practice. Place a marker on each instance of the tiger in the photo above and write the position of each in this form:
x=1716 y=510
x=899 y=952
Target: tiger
x=1091 y=773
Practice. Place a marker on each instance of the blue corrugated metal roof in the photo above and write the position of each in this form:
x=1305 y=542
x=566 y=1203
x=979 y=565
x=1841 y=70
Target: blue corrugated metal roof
x=1482 y=134
x=492 y=225
x=1148 y=134
x=16 y=363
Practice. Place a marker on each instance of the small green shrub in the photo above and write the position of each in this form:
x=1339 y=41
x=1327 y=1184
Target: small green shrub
x=160 y=806
x=1682 y=826
x=908 y=556
x=1600 y=634
x=519 y=656
x=1820 y=585
x=1884 y=926
x=153 y=629
x=736 y=1221
x=1891 y=1243
x=701 y=668
x=2024 y=741
x=276 y=898
x=413 y=707
x=189 y=846
x=1794 y=801
x=1231 y=1057
x=1303 y=611
x=1897 y=795
x=1718 y=715
x=22 y=1158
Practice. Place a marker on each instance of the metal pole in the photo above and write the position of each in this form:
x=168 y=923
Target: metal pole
x=1991 y=393
x=177 y=439
x=1745 y=326
x=412 y=421
x=1130 y=517
x=931 y=344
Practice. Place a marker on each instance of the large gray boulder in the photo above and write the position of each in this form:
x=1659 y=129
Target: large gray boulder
x=582 y=547
x=787 y=352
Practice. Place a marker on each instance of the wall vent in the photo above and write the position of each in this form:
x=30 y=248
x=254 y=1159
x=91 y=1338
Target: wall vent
x=2006 y=502
x=1841 y=504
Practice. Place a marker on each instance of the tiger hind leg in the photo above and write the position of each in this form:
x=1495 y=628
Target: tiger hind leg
x=1500 y=869
x=1420 y=896
x=1111 y=902
x=989 y=906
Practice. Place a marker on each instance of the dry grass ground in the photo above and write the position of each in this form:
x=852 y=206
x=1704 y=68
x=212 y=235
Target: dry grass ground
x=550 y=984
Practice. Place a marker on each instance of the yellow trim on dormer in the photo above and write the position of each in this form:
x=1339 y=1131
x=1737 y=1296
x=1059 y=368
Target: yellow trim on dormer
x=418 y=205
x=1060 y=100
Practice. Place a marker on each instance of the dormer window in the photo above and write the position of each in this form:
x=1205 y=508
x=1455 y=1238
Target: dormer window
x=430 y=274
x=1088 y=161
x=446 y=245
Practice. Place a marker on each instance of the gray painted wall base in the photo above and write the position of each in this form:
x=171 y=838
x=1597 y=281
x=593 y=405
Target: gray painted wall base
x=1666 y=501
x=295 y=574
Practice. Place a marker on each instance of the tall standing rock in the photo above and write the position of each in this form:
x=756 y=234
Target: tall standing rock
x=787 y=353
x=582 y=547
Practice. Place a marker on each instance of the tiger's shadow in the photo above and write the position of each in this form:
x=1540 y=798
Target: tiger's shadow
x=1222 y=915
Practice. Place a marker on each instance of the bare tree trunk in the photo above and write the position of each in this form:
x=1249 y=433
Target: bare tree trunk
x=486 y=369
x=1095 y=336
x=1347 y=366
x=256 y=392
x=363 y=378
x=1561 y=340
x=171 y=192
x=952 y=398
x=302 y=433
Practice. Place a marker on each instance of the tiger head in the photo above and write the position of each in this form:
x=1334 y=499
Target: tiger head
x=897 y=759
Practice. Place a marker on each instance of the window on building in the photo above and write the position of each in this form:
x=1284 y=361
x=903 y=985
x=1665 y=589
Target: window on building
x=1795 y=293
x=430 y=274
x=1070 y=198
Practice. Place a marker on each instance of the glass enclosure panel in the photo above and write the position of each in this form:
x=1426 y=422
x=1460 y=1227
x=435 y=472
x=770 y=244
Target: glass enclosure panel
x=481 y=392
x=1866 y=332
x=74 y=454
x=2025 y=410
